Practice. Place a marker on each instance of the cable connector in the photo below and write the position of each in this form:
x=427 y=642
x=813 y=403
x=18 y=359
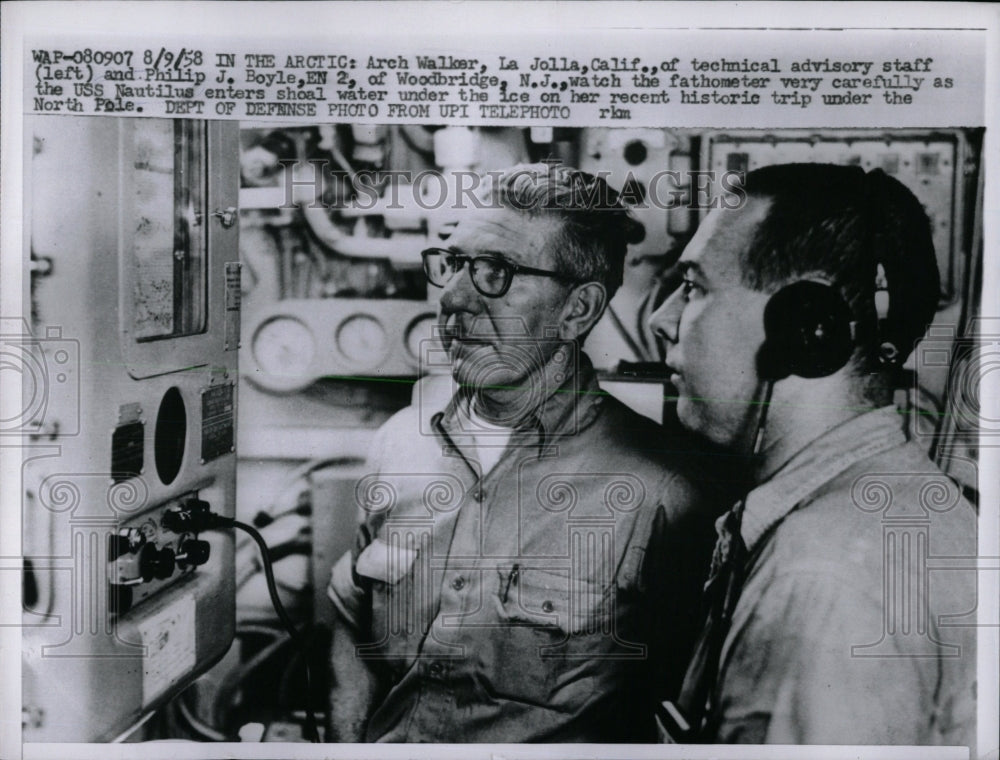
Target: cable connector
x=194 y=516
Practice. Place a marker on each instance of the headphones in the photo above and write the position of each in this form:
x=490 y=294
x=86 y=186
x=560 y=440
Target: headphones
x=810 y=331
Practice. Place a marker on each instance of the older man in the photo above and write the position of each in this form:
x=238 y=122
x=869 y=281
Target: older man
x=838 y=612
x=527 y=567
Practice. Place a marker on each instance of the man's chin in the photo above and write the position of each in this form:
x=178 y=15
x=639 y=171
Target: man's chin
x=485 y=372
x=691 y=415
x=684 y=412
x=473 y=368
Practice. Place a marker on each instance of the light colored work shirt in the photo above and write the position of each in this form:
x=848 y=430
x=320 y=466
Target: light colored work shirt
x=854 y=625
x=552 y=598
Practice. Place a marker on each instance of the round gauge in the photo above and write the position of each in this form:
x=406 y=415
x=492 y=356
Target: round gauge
x=418 y=333
x=284 y=347
x=362 y=339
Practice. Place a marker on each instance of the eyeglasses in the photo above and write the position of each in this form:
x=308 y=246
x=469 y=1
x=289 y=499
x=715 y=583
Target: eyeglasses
x=491 y=275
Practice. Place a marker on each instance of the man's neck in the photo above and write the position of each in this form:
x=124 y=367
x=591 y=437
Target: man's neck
x=510 y=406
x=800 y=412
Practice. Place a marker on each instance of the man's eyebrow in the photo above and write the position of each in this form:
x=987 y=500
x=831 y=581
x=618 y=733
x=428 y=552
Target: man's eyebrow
x=495 y=254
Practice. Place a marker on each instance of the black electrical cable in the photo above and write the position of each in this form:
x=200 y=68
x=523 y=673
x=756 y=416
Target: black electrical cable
x=623 y=333
x=230 y=684
x=312 y=731
x=200 y=518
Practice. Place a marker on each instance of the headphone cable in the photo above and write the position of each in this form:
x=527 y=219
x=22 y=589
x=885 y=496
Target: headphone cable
x=755 y=450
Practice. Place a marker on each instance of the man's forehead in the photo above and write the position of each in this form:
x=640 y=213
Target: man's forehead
x=502 y=230
x=722 y=237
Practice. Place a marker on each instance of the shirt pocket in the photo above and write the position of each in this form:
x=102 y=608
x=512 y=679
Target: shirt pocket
x=552 y=624
x=553 y=601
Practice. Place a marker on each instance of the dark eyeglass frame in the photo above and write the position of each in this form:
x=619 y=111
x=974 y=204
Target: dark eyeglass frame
x=506 y=265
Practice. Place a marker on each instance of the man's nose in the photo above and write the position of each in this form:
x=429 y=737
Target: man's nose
x=460 y=294
x=665 y=321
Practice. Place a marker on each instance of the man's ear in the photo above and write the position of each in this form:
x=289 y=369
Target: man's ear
x=583 y=308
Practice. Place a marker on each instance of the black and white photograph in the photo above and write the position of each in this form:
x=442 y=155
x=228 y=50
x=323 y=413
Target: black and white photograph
x=532 y=380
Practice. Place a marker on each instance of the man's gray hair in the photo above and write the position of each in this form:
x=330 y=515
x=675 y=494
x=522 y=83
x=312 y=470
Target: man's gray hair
x=595 y=224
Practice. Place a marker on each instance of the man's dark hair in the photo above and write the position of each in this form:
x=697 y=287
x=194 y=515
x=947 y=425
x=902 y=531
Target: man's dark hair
x=596 y=225
x=840 y=223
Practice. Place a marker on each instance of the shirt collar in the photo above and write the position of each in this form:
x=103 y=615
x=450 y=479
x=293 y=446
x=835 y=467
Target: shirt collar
x=561 y=412
x=826 y=457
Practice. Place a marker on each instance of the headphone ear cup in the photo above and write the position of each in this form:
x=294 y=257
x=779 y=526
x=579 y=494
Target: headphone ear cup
x=807 y=327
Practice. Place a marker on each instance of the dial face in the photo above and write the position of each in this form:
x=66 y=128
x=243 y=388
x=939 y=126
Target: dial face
x=420 y=331
x=362 y=339
x=284 y=347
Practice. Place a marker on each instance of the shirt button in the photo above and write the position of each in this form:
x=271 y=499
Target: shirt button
x=458 y=584
x=547 y=606
x=478 y=495
x=435 y=669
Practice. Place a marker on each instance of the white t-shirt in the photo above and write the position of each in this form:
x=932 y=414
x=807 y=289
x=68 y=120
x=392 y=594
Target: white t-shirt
x=490 y=439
